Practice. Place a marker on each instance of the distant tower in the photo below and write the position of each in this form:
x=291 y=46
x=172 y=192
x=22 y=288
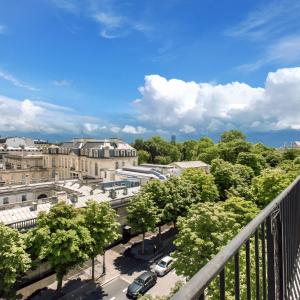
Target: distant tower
x=173 y=139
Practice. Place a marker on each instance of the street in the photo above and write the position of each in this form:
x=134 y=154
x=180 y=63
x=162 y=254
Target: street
x=116 y=289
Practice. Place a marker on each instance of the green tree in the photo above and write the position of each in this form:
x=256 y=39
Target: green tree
x=273 y=158
x=187 y=150
x=203 y=186
x=209 y=154
x=290 y=154
x=101 y=221
x=178 y=198
x=233 y=178
x=252 y=160
x=61 y=237
x=13 y=259
x=232 y=135
x=269 y=185
x=139 y=144
x=143 y=156
x=224 y=176
x=229 y=151
x=202 y=233
x=245 y=211
x=158 y=192
x=162 y=160
x=142 y=215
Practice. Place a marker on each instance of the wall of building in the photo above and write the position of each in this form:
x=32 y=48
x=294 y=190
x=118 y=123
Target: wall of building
x=20 y=176
x=72 y=166
x=21 y=196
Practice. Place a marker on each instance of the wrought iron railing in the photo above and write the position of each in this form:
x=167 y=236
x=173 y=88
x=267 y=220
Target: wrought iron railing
x=269 y=245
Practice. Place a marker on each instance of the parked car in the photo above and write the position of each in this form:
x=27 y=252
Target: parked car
x=164 y=266
x=141 y=284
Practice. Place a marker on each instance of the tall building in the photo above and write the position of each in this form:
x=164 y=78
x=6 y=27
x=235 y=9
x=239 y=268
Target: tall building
x=173 y=139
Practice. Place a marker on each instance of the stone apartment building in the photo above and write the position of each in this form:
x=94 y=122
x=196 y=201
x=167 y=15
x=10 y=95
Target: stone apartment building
x=80 y=158
x=89 y=158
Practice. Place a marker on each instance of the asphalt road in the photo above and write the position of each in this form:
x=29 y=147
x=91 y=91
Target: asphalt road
x=116 y=289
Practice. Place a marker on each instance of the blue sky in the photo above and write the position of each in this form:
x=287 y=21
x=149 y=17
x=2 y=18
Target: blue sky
x=138 y=68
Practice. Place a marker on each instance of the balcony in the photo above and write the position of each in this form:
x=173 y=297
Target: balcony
x=271 y=241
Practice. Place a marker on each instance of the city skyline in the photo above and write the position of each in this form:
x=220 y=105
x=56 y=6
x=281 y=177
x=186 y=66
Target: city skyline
x=132 y=69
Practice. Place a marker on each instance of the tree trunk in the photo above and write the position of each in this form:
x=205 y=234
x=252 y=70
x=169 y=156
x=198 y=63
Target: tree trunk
x=159 y=234
x=143 y=244
x=93 y=268
x=59 y=278
x=104 y=266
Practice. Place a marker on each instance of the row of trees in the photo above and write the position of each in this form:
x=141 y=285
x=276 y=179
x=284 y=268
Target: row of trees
x=233 y=142
x=210 y=209
x=65 y=237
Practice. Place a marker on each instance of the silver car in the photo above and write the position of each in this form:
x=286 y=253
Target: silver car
x=164 y=266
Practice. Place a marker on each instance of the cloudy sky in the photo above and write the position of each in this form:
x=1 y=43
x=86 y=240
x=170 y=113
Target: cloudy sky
x=137 y=68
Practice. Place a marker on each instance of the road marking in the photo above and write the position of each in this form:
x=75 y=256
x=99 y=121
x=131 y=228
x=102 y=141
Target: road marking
x=126 y=280
x=113 y=298
x=124 y=290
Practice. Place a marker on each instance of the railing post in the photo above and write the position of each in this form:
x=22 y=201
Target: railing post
x=280 y=283
x=270 y=260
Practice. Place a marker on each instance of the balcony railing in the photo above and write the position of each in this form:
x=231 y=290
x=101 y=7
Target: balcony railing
x=270 y=248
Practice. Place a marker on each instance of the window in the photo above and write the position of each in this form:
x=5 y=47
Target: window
x=96 y=169
x=5 y=200
x=117 y=165
x=24 y=198
x=123 y=163
x=105 y=175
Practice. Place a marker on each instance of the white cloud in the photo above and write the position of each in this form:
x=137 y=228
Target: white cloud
x=14 y=81
x=187 y=129
x=37 y=116
x=115 y=129
x=62 y=82
x=113 y=21
x=108 y=20
x=71 y=6
x=284 y=51
x=133 y=130
x=268 y=20
x=168 y=104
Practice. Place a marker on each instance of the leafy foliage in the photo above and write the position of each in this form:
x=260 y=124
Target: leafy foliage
x=100 y=220
x=142 y=214
x=143 y=156
x=232 y=135
x=62 y=238
x=13 y=259
x=255 y=161
x=269 y=184
x=202 y=185
x=205 y=230
x=178 y=199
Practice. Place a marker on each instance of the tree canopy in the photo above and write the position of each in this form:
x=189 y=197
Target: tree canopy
x=13 y=259
x=101 y=221
x=61 y=237
x=142 y=214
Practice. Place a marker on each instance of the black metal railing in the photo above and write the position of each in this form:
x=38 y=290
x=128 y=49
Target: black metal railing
x=261 y=262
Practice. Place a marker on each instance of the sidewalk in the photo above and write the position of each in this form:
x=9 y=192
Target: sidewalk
x=121 y=260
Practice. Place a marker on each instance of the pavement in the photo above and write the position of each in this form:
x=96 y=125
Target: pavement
x=124 y=262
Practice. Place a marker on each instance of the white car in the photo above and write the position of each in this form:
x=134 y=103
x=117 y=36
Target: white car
x=164 y=266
